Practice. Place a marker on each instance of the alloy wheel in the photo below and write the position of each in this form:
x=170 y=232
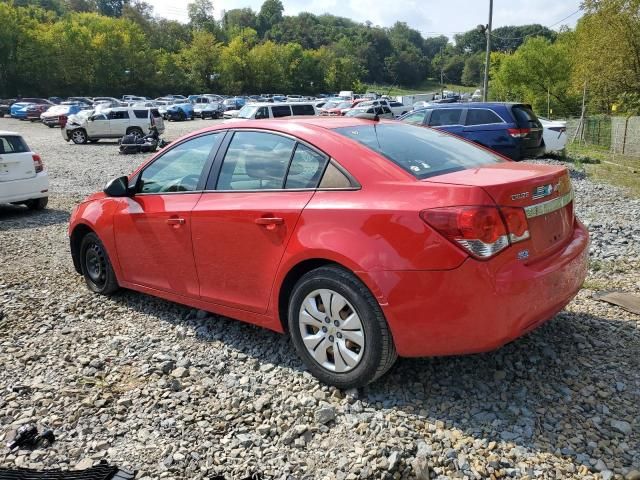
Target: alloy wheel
x=331 y=330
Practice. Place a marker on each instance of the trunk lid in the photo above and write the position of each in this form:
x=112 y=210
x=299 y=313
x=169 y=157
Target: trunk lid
x=543 y=191
x=16 y=161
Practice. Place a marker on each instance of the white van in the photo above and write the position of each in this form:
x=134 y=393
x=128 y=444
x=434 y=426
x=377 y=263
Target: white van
x=257 y=111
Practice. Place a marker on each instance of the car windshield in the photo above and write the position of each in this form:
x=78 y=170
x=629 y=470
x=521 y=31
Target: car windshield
x=247 y=111
x=229 y=101
x=420 y=151
x=343 y=105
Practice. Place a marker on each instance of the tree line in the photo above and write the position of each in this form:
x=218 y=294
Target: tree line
x=110 y=47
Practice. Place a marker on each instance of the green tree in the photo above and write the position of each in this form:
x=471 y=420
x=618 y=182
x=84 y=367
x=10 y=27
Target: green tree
x=269 y=16
x=111 y=8
x=538 y=71
x=473 y=70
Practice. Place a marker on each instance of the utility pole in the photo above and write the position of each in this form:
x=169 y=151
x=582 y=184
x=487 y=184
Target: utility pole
x=485 y=89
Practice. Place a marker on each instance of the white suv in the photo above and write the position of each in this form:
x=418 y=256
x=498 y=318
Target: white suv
x=23 y=178
x=112 y=123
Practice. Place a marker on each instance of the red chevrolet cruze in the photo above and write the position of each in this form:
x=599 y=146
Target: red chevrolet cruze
x=364 y=240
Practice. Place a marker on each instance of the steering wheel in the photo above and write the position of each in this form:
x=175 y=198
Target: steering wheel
x=187 y=183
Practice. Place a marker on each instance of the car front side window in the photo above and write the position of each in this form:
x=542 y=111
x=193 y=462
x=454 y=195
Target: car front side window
x=180 y=169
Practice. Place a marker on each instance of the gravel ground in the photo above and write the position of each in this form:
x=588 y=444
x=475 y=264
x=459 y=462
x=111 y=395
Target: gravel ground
x=177 y=393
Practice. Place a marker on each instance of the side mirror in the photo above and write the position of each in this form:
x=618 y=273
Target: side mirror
x=118 y=187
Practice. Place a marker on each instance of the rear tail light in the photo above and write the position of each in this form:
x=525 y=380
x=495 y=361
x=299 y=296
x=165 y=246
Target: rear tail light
x=37 y=163
x=62 y=120
x=481 y=231
x=519 y=132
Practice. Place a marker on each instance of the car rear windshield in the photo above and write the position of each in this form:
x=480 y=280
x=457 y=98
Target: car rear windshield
x=12 y=144
x=524 y=116
x=420 y=151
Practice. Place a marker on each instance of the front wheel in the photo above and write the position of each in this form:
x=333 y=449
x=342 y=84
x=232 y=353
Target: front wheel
x=79 y=136
x=338 y=328
x=96 y=266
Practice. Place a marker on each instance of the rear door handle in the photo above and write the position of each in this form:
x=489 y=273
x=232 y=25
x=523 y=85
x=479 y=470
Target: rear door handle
x=269 y=222
x=175 y=221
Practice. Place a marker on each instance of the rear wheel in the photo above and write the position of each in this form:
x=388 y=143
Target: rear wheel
x=79 y=136
x=182 y=116
x=37 y=203
x=50 y=125
x=96 y=266
x=135 y=131
x=339 y=329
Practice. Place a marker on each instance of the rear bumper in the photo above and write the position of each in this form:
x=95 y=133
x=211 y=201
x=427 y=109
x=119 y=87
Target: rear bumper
x=478 y=307
x=22 y=190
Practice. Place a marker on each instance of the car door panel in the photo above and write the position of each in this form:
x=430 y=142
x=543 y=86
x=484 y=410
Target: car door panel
x=239 y=239
x=153 y=241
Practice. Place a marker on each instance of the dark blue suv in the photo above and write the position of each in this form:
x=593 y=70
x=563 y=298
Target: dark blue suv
x=511 y=129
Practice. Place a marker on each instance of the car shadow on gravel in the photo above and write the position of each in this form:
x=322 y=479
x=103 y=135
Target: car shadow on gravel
x=557 y=390
x=19 y=217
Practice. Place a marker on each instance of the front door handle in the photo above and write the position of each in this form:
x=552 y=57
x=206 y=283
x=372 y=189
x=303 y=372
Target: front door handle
x=175 y=221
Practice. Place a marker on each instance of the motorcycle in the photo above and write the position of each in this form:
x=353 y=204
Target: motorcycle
x=130 y=144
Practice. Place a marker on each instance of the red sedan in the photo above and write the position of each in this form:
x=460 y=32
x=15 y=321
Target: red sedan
x=364 y=240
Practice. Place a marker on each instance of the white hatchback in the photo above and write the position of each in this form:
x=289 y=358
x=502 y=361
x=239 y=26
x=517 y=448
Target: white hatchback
x=23 y=178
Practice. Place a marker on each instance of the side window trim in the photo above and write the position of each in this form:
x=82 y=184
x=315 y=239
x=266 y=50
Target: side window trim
x=206 y=170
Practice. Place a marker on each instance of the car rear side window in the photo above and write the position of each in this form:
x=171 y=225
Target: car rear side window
x=306 y=168
x=12 y=144
x=141 y=113
x=525 y=117
x=279 y=111
x=445 y=116
x=119 y=115
x=255 y=161
x=303 y=110
x=420 y=151
x=482 y=116
x=180 y=168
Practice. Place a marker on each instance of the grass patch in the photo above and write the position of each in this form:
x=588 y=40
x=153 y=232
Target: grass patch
x=602 y=166
x=428 y=86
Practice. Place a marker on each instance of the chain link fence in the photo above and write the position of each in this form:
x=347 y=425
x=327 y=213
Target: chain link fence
x=619 y=135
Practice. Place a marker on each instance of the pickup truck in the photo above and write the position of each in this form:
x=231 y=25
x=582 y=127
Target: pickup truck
x=396 y=108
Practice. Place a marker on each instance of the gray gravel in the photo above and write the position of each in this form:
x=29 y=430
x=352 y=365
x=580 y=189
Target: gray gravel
x=177 y=393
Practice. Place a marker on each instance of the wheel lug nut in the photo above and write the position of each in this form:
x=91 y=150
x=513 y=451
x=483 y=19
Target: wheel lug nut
x=327 y=320
x=336 y=323
x=339 y=335
x=325 y=329
x=331 y=338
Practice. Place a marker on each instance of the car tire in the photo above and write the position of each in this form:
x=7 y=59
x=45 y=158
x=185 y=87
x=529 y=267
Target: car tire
x=79 y=136
x=182 y=116
x=51 y=126
x=135 y=131
x=358 y=331
x=96 y=266
x=37 y=203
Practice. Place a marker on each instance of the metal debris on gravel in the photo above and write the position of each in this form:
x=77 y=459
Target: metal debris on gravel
x=178 y=393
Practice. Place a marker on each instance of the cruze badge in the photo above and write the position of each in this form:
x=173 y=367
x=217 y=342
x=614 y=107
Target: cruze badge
x=520 y=196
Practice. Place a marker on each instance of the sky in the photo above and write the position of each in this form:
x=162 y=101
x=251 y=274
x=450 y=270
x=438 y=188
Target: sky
x=429 y=17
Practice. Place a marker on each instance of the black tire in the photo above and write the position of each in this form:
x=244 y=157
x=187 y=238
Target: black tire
x=202 y=116
x=96 y=266
x=135 y=131
x=379 y=350
x=182 y=116
x=79 y=136
x=37 y=203
x=50 y=125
